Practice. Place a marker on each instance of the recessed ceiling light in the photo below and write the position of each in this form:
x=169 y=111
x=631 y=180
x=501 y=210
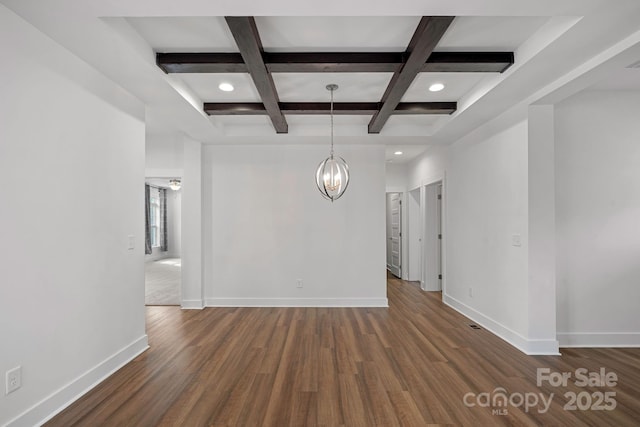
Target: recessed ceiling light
x=436 y=87
x=225 y=87
x=398 y=153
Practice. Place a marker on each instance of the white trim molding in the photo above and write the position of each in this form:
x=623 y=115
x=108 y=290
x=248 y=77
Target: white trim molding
x=527 y=346
x=297 y=302
x=599 y=339
x=47 y=408
x=192 y=304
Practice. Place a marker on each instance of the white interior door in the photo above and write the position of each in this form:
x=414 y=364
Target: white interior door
x=432 y=271
x=394 y=237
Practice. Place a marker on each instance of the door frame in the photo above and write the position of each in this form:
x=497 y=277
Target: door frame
x=401 y=227
x=175 y=173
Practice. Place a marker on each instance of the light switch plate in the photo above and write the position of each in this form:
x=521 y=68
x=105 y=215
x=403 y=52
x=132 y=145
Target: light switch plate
x=13 y=380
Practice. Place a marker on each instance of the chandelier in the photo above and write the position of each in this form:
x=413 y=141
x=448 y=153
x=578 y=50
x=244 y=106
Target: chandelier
x=175 y=184
x=332 y=176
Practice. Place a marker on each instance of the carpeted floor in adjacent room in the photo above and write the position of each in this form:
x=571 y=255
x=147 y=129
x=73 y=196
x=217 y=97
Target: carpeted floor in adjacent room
x=162 y=282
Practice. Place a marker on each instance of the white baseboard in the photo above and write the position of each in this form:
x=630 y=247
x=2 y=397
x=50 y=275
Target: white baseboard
x=192 y=304
x=46 y=409
x=527 y=346
x=297 y=302
x=430 y=287
x=599 y=339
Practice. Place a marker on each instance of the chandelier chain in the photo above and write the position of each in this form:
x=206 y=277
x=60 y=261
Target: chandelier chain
x=332 y=89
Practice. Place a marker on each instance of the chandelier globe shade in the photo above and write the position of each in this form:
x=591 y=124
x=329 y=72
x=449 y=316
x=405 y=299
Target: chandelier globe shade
x=332 y=174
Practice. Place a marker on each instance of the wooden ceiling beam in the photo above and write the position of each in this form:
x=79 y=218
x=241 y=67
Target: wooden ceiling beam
x=245 y=33
x=426 y=108
x=334 y=62
x=318 y=108
x=200 y=62
x=468 y=62
x=234 y=108
x=427 y=35
x=339 y=108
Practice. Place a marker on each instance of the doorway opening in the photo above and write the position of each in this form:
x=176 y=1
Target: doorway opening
x=163 y=263
x=414 y=237
x=394 y=234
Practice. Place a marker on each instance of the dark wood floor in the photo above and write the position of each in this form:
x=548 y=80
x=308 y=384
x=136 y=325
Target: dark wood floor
x=411 y=364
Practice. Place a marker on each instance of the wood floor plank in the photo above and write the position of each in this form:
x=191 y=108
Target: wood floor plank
x=411 y=364
x=329 y=407
x=353 y=404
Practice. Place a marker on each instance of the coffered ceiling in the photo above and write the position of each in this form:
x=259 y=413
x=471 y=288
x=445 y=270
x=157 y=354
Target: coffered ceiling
x=360 y=54
x=552 y=43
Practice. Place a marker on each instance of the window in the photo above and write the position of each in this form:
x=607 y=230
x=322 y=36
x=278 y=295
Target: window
x=154 y=218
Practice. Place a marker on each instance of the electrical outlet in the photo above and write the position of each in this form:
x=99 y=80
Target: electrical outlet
x=299 y=283
x=14 y=379
x=471 y=292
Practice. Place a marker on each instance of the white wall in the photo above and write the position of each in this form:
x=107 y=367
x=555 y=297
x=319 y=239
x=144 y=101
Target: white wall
x=486 y=181
x=193 y=216
x=541 y=239
x=72 y=294
x=485 y=178
x=486 y=203
x=427 y=168
x=174 y=222
x=396 y=177
x=598 y=215
x=268 y=226
x=163 y=152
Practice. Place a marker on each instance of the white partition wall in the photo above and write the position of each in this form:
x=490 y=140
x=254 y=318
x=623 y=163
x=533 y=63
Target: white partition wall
x=597 y=212
x=269 y=227
x=71 y=263
x=192 y=227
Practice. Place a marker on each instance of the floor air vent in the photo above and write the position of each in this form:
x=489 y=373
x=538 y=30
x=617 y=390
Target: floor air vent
x=472 y=326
